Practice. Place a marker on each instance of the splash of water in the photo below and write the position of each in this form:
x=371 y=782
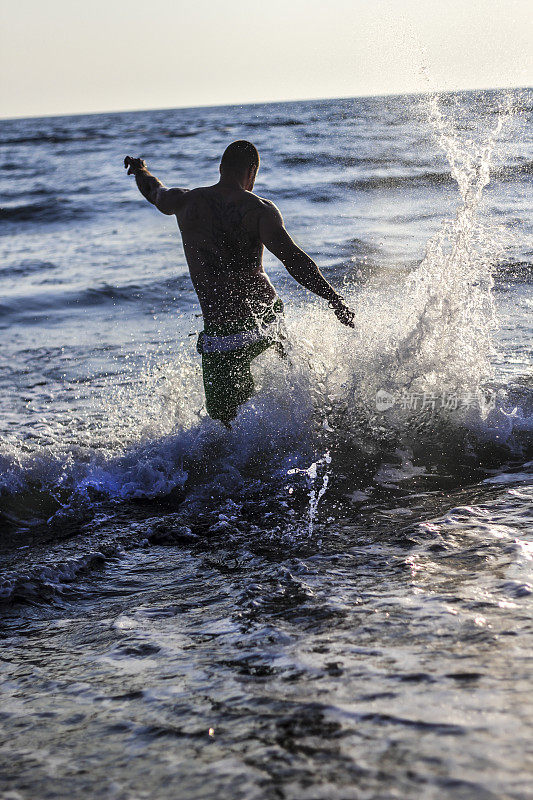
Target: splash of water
x=432 y=333
x=315 y=495
x=448 y=343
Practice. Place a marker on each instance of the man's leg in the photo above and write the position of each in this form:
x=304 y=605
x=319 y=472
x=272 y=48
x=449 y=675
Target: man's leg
x=228 y=381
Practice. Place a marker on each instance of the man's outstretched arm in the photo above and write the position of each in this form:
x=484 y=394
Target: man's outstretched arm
x=298 y=264
x=168 y=201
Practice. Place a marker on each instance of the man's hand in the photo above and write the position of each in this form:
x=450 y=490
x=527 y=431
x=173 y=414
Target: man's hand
x=133 y=165
x=343 y=313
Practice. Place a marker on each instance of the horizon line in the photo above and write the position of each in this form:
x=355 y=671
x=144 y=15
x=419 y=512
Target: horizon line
x=266 y=102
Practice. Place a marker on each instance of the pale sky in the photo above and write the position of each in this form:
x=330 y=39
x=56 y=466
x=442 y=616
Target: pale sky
x=69 y=56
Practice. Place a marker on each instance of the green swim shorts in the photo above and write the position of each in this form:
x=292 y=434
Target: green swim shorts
x=227 y=353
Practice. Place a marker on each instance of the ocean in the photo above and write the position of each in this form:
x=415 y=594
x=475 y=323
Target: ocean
x=333 y=599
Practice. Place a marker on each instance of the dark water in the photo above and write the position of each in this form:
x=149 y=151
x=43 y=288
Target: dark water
x=333 y=600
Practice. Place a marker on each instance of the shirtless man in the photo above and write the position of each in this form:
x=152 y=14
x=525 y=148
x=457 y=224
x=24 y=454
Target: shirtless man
x=224 y=230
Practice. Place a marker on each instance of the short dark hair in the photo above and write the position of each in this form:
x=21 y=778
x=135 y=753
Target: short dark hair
x=240 y=156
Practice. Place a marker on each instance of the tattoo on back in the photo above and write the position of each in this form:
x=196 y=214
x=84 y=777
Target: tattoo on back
x=226 y=240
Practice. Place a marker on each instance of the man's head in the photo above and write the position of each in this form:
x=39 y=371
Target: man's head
x=240 y=160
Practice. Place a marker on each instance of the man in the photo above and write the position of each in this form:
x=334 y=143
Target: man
x=224 y=229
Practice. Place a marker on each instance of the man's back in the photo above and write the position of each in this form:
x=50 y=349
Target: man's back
x=220 y=228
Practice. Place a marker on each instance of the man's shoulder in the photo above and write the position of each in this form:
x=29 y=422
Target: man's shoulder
x=265 y=206
x=261 y=200
x=195 y=197
x=197 y=192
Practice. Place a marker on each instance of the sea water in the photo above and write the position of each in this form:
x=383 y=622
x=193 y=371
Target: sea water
x=333 y=599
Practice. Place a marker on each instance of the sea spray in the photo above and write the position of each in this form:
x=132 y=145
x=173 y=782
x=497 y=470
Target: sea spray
x=429 y=335
x=448 y=345
x=312 y=474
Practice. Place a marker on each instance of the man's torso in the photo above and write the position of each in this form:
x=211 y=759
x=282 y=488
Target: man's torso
x=220 y=231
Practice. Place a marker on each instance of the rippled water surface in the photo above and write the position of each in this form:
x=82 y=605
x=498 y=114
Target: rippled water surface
x=333 y=599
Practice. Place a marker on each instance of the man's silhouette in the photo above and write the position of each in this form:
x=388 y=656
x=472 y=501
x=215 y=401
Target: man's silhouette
x=224 y=230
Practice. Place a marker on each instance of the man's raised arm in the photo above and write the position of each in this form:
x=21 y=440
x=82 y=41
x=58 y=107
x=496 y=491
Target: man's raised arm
x=298 y=264
x=168 y=201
